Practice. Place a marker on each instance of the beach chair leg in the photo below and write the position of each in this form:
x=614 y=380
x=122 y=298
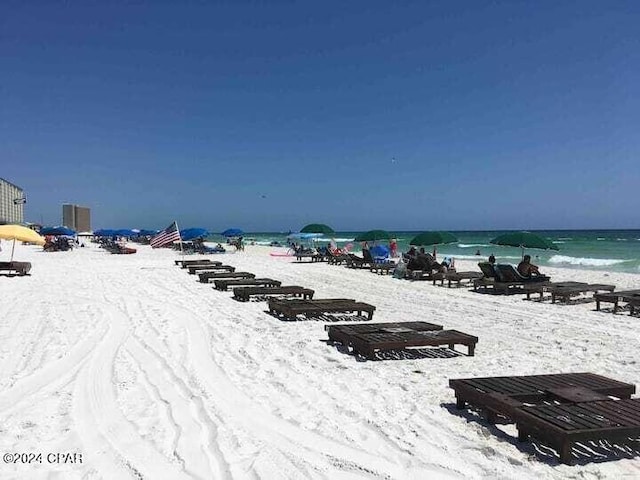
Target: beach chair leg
x=460 y=403
x=472 y=349
x=452 y=346
x=522 y=434
x=565 y=453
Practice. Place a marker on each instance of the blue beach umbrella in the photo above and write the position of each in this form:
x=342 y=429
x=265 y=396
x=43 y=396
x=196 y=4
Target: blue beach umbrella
x=125 y=232
x=232 y=232
x=57 y=231
x=191 y=233
x=379 y=251
x=104 y=232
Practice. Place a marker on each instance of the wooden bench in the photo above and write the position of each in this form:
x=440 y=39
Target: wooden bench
x=498 y=397
x=205 y=277
x=596 y=419
x=224 y=284
x=244 y=294
x=291 y=308
x=193 y=269
x=19 y=268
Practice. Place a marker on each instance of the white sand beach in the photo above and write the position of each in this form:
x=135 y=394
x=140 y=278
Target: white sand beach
x=128 y=361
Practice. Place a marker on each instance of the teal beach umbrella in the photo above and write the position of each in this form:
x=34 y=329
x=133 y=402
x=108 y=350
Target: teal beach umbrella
x=524 y=240
x=318 y=228
x=433 y=238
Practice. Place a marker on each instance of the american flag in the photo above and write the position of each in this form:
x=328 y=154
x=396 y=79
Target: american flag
x=168 y=235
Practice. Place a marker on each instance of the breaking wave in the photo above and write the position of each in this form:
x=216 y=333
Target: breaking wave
x=473 y=245
x=587 y=262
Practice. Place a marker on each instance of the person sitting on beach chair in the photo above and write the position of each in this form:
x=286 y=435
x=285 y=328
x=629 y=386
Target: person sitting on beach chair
x=528 y=269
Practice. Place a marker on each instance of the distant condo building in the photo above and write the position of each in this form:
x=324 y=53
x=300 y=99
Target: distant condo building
x=12 y=202
x=76 y=217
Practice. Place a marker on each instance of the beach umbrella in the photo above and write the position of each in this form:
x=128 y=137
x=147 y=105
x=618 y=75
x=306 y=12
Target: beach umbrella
x=232 y=232
x=318 y=228
x=57 y=231
x=524 y=240
x=433 y=238
x=104 y=232
x=374 y=235
x=144 y=233
x=191 y=233
x=23 y=234
x=379 y=252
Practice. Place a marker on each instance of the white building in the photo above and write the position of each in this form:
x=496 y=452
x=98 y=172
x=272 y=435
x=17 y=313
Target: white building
x=12 y=200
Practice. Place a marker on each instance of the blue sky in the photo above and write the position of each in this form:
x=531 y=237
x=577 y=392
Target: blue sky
x=362 y=114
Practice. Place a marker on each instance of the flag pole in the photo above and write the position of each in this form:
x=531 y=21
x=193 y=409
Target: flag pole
x=180 y=237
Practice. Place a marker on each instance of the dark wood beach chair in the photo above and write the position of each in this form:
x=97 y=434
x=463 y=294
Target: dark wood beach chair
x=354 y=261
x=616 y=297
x=457 y=278
x=566 y=292
x=291 y=308
x=18 y=268
x=385 y=268
x=498 y=397
x=184 y=263
x=206 y=277
x=244 y=294
x=337 y=258
x=505 y=279
x=311 y=257
x=193 y=269
x=224 y=284
x=593 y=418
x=397 y=336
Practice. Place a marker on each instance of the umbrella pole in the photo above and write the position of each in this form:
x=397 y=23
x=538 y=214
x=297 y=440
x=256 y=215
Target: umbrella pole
x=13 y=247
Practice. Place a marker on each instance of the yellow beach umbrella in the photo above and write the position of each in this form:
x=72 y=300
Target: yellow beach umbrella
x=18 y=232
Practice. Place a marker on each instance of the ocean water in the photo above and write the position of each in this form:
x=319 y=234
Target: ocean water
x=614 y=250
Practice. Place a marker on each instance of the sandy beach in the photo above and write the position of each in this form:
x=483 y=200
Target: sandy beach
x=129 y=362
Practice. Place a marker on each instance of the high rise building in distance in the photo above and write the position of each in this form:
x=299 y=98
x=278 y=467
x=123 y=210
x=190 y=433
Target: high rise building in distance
x=76 y=217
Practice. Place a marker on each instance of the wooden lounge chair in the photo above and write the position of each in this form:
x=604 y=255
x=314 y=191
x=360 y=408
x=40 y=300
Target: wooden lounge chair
x=457 y=278
x=385 y=268
x=203 y=261
x=19 y=268
x=312 y=257
x=505 y=279
x=565 y=292
x=290 y=309
x=397 y=336
x=244 y=294
x=224 y=284
x=587 y=418
x=616 y=298
x=206 y=277
x=498 y=397
x=337 y=258
x=354 y=261
x=193 y=269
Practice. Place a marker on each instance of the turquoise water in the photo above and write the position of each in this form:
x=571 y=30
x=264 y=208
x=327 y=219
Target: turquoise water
x=614 y=250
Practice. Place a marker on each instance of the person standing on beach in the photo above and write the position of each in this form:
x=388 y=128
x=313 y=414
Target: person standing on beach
x=393 y=248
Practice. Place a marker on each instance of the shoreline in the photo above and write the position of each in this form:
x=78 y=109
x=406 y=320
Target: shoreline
x=129 y=357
